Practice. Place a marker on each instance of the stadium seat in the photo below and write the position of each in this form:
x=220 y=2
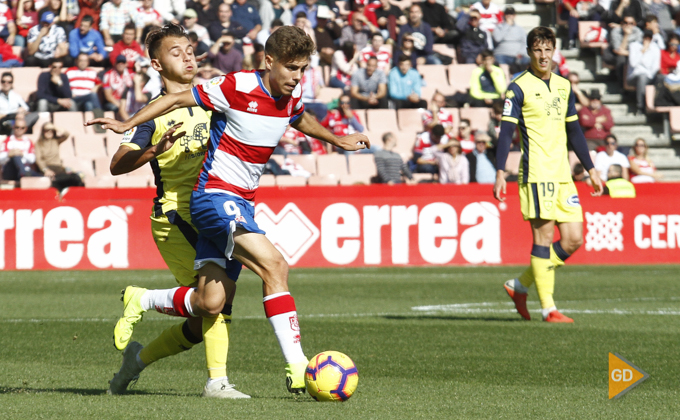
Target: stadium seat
x=26 y=80
x=650 y=94
x=512 y=163
x=410 y=120
x=291 y=181
x=434 y=74
x=334 y=164
x=43 y=118
x=423 y=178
x=479 y=117
x=674 y=116
x=278 y=159
x=381 y=120
x=106 y=181
x=329 y=179
x=328 y=94
x=88 y=146
x=35 y=183
x=445 y=49
x=112 y=142
x=362 y=164
x=71 y=121
x=267 y=180
x=459 y=76
x=355 y=180
x=66 y=149
x=79 y=164
x=132 y=181
x=308 y=162
x=102 y=166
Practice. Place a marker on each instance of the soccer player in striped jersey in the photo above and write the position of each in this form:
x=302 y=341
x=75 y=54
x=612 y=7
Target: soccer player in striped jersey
x=176 y=165
x=541 y=106
x=250 y=113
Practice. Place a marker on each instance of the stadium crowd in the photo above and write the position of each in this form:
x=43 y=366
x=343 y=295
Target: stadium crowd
x=377 y=54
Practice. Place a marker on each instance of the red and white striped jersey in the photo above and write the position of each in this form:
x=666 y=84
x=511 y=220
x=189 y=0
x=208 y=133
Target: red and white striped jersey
x=82 y=81
x=23 y=143
x=490 y=17
x=384 y=56
x=119 y=83
x=425 y=146
x=445 y=118
x=247 y=123
x=145 y=16
x=6 y=16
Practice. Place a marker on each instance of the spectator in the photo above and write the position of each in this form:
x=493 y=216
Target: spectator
x=225 y=24
x=89 y=8
x=54 y=92
x=490 y=16
x=49 y=162
x=290 y=142
x=206 y=72
x=345 y=62
x=116 y=84
x=326 y=33
x=578 y=173
x=127 y=47
x=617 y=186
x=84 y=84
x=659 y=37
x=12 y=105
x=454 y=167
x=224 y=56
x=596 y=120
x=190 y=23
x=482 y=160
x=391 y=168
x=85 y=40
x=302 y=22
x=247 y=16
x=257 y=58
x=343 y=120
x=207 y=12
x=311 y=83
x=404 y=85
x=494 y=128
x=380 y=51
x=17 y=154
x=473 y=39
x=199 y=47
x=389 y=18
x=618 y=9
x=26 y=18
x=45 y=42
x=643 y=64
x=443 y=26
x=170 y=10
x=487 y=82
x=357 y=33
x=60 y=9
x=145 y=17
x=428 y=145
x=575 y=10
x=405 y=48
x=670 y=56
x=436 y=114
x=422 y=36
x=610 y=156
x=510 y=42
x=619 y=39
x=465 y=136
x=642 y=169
x=581 y=98
x=264 y=34
x=369 y=87
x=115 y=17
x=310 y=9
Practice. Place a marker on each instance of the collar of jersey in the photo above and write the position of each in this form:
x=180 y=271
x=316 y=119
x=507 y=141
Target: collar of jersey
x=264 y=89
x=547 y=82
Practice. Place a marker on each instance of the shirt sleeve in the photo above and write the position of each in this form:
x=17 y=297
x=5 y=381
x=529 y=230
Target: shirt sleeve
x=514 y=99
x=212 y=95
x=572 y=114
x=139 y=137
x=297 y=112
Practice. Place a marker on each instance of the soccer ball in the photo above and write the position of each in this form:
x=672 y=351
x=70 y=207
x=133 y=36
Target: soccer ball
x=331 y=376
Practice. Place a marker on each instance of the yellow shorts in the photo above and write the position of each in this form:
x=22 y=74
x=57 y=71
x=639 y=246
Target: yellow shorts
x=556 y=201
x=177 y=252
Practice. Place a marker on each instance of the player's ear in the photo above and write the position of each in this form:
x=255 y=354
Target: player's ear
x=156 y=64
x=268 y=62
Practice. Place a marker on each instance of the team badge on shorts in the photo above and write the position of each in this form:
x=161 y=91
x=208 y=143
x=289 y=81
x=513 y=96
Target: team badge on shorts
x=573 y=201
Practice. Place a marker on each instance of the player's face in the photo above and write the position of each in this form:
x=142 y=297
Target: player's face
x=285 y=76
x=541 y=54
x=176 y=60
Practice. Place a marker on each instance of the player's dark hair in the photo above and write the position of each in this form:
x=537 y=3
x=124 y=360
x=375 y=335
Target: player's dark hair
x=289 y=43
x=157 y=35
x=87 y=18
x=541 y=34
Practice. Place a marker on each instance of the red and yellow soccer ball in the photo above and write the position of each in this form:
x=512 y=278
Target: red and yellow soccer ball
x=331 y=376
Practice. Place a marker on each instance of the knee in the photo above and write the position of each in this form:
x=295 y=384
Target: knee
x=277 y=271
x=212 y=304
x=572 y=244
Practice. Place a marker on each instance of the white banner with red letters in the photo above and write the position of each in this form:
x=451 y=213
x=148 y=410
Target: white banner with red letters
x=358 y=226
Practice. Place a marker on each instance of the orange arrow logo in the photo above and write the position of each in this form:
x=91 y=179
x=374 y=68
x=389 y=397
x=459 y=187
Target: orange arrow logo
x=623 y=376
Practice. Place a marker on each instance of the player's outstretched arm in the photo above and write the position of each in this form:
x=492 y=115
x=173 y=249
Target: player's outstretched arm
x=311 y=127
x=127 y=159
x=162 y=106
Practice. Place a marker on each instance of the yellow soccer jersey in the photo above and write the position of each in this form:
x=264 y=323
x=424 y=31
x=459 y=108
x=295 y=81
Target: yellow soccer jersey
x=177 y=169
x=541 y=109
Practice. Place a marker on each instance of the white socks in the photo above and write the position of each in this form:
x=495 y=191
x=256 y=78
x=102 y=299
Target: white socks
x=282 y=315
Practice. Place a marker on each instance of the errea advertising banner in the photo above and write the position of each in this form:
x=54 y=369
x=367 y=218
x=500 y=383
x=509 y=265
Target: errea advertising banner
x=356 y=226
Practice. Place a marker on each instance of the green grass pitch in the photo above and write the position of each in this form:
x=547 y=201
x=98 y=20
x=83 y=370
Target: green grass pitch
x=429 y=343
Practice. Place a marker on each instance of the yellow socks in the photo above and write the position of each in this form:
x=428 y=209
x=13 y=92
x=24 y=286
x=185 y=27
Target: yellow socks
x=216 y=338
x=175 y=339
x=558 y=255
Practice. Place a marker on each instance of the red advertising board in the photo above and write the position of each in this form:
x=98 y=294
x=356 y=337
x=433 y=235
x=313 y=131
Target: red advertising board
x=357 y=226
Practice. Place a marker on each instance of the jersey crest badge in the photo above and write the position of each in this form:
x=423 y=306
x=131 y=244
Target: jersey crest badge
x=563 y=93
x=548 y=204
x=252 y=106
x=509 y=94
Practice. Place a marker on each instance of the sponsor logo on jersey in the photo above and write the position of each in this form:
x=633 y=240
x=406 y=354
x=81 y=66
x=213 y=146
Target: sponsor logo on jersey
x=216 y=81
x=127 y=136
x=573 y=201
x=252 y=106
x=507 y=108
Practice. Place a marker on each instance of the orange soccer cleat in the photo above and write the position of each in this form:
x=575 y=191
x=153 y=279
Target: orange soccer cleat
x=520 y=299
x=556 y=316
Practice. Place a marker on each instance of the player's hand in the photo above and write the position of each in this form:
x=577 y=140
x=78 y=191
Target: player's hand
x=110 y=124
x=500 y=186
x=169 y=138
x=356 y=141
x=596 y=183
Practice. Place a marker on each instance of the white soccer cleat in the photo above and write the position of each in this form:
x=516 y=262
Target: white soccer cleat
x=128 y=372
x=222 y=389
